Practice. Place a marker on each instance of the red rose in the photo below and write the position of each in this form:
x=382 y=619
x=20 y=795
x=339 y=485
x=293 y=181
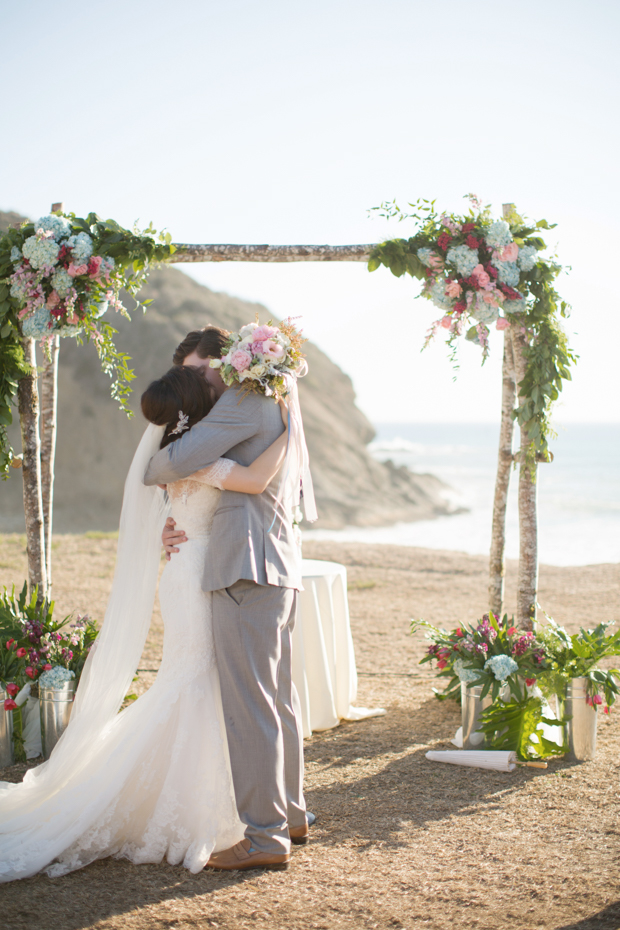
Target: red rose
x=12 y=689
x=442 y=663
x=9 y=643
x=530 y=681
x=472 y=242
x=21 y=652
x=444 y=240
x=9 y=704
x=46 y=668
x=30 y=672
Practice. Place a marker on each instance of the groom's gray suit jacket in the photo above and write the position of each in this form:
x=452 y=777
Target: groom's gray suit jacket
x=246 y=541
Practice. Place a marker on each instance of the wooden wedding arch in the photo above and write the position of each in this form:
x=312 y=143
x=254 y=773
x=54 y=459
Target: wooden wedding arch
x=38 y=419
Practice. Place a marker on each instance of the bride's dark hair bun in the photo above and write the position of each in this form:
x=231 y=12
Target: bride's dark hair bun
x=180 y=389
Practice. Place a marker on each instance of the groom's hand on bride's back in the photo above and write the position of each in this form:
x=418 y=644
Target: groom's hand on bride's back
x=171 y=537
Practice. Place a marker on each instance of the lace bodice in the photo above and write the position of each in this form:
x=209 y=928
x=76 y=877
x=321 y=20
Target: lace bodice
x=203 y=487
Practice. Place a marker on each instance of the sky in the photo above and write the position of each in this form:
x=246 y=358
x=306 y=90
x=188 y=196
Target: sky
x=284 y=123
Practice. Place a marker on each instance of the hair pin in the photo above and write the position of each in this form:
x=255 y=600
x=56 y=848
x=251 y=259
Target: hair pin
x=181 y=425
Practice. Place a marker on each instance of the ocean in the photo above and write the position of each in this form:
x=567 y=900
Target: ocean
x=578 y=493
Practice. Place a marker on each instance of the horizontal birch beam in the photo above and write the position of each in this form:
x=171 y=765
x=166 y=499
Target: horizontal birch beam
x=270 y=253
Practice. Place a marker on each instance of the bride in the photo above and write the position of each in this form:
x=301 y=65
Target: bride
x=153 y=780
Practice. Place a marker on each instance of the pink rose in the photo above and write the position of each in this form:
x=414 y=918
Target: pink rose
x=446 y=322
x=502 y=323
x=30 y=672
x=74 y=270
x=597 y=699
x=21 y=652
x=510 y=253
x=53 y=300
x=240 y=360
x=10 y=704
x=273 y=349
x=453 y=289
x=12 y=689
x=263 y=332
x=47 y=668
x=481 y=276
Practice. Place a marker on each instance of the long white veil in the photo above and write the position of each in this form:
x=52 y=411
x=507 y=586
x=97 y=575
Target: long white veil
x=112 y=662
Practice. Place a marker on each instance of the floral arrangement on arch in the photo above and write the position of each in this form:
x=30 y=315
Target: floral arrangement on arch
x=264 y=359
x=492 y=654
x=482 y=272
x=59 y=276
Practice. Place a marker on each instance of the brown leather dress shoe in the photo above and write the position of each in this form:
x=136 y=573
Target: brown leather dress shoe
x=243 y=856
x=300 y=835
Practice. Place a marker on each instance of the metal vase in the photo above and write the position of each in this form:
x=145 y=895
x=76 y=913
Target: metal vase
x=6 y=733
x=581 y=728
x=471 y=708
x=56 y=705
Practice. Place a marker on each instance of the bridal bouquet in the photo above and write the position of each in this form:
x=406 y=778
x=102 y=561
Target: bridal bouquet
x=491 y=654
x=264 y=359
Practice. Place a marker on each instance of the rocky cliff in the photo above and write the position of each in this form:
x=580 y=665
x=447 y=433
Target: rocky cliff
x=96 y=441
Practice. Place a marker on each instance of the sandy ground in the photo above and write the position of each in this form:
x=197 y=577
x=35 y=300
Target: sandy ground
x=400 y=841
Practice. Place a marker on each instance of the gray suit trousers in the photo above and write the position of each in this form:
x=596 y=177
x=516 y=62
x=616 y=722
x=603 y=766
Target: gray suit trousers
x=252 y=630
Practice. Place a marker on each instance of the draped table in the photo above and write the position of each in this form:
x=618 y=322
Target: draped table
x=324 y=669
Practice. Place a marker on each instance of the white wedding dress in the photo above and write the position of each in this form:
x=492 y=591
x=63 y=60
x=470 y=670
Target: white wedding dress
x=154 y=781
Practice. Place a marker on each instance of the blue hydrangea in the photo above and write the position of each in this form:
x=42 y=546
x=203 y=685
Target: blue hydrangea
x=425 y=256
x=508 y=273
x=37 y=325
x=485 y=313
x=62 y=282
x=55 y=677
x=498 y=235
x=41 y=252
x=515 y=306
x=501 y=666
x=57 y=225
x=464 y=258
x=437 y=294
x=81 y=246
x=16 y=253
x=527 y=257
x=464 y=672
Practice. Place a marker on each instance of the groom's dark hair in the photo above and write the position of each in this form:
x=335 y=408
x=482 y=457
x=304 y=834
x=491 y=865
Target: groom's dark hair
x=208 y=343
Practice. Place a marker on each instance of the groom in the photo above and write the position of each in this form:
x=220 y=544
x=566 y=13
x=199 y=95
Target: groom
x=254 y=571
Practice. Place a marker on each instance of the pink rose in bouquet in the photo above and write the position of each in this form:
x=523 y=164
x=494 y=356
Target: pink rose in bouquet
x=263 y=332
x=453 y=289
x=94 y=265
x=53 y=300
x=502 y=323
x=446 y=322
x=481 y=276
x=272 y=349
x=240 y=360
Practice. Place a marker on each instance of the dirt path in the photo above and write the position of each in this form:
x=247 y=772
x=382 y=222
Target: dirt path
x=400 y=841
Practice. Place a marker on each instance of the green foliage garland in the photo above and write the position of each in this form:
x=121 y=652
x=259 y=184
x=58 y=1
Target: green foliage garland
x=96 y=259
x=479 y=271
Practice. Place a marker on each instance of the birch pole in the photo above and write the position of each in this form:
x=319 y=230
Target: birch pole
x=527 y=583
x=497 y=565
x=49 y=428
x=28 y=404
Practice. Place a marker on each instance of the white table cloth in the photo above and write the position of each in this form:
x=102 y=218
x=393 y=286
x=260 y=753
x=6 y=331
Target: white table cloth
x=324 y=669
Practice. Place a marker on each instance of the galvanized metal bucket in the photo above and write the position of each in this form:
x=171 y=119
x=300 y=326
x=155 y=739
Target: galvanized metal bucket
x=581 y=728
x=6 y=732
x=56 y=705
x=471 y=708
